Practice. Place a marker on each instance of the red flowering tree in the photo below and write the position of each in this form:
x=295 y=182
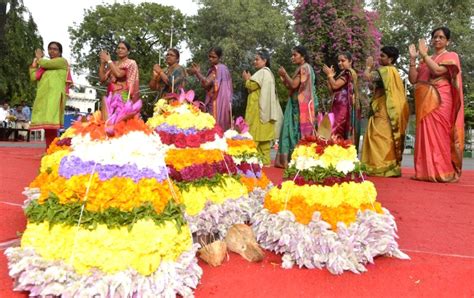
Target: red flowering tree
x=329 y=27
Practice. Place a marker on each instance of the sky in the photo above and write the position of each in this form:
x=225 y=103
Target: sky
x=53 y=17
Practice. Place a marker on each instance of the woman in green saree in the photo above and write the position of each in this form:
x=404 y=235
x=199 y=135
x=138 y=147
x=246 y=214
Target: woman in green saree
x=384 y=138
x=299 y=118
x=52 y=77
x=263 y=112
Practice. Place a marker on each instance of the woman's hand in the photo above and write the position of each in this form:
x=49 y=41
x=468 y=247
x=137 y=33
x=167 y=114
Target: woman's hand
x=39 y=54
x=195 y=68
x=329 y=71
x=104 y=56
x=412 y=51
x=157 y=70
x=282 y=72
x=422 y=47
x=246 y=75
x=369 y=63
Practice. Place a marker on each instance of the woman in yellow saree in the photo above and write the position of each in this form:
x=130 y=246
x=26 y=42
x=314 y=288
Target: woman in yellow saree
x=385 y=135
x=439 y=106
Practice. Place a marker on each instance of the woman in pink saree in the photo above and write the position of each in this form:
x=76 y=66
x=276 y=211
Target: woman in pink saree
x=439 y=106
x=218 y=85
x=345 y=104
x=121 y=76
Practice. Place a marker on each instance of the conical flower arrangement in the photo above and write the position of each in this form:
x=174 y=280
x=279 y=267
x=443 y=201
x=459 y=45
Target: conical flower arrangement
x=243 y=150
x=198 y=162
x=105 y=219
x=326 y=214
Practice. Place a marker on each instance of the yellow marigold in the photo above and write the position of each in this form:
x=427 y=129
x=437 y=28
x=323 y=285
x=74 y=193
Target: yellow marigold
x=303 y=212
x=111 y=250
x=51 y=162
x=195 y=198
x=119 y=192
x=252 y=183
x=335 y=153
x=182 y=158
x=351 y=193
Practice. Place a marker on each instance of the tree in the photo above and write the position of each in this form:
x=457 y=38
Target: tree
x=239 y=28
x=18 y=40
x=328 y=28
x=147 y=27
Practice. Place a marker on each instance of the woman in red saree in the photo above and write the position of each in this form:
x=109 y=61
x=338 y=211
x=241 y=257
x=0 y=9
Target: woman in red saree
x=121 y=76
x=439 y=107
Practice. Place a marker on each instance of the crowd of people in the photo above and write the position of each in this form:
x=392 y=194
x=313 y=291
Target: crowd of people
x=438 y=100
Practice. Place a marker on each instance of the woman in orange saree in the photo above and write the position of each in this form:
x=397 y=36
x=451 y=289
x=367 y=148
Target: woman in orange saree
x=439 y=107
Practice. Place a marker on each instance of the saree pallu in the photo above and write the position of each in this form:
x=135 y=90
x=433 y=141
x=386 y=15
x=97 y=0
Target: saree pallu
x=346 y=109
x=307 y=100
x=290 y=132
x=439 y=105
x=176 y=81
x=383 y=146
x=128 y=85
x=299 y=118
x=219 y=97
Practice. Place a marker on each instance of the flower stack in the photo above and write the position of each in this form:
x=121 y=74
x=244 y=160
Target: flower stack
x=243 y=150
x=326 y=214
x=104 y=219
x=213 y=196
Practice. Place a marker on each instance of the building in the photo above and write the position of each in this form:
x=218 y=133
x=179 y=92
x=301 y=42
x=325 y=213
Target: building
x=83 y=100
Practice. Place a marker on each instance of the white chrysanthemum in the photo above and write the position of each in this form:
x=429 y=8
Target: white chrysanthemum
x=136 y=147
x=218 y=143
x=345 y=166
x=182 y=109
x=229 y=134
x=306 y=163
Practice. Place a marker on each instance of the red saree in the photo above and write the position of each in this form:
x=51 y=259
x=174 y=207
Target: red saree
x=439 y=106
x=127 y=86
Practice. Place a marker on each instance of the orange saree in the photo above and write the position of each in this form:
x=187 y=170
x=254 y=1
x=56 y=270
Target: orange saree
x=439 y=107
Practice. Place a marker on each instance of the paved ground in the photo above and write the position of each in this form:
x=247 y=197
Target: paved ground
x=468 y=163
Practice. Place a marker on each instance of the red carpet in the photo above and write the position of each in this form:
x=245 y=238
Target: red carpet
x=435 y=224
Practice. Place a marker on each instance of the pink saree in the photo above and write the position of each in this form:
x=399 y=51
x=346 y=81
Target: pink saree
x=219 y=96
x=127 y=86
x=439 y=106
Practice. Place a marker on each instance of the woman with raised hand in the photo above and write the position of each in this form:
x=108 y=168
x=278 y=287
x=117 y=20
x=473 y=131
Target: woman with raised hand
x=170 y=79
x=439 y=107
x=121 y=76
x=218 y=86
x=299 y=118
x=53 y=78
x=384 y=138
x=345 y=102
x=263 y=113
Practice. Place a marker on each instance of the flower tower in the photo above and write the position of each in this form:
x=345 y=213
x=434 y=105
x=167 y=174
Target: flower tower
x=326 y=214
x=104 y=219
x=213 y=195
x=243 y=150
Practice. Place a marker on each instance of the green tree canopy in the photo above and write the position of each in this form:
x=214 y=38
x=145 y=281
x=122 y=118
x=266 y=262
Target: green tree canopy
x=239 y=28
x=18 y=39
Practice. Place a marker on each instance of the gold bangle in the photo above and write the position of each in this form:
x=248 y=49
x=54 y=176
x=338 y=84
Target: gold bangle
x=412 y=65
x=424 y=56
